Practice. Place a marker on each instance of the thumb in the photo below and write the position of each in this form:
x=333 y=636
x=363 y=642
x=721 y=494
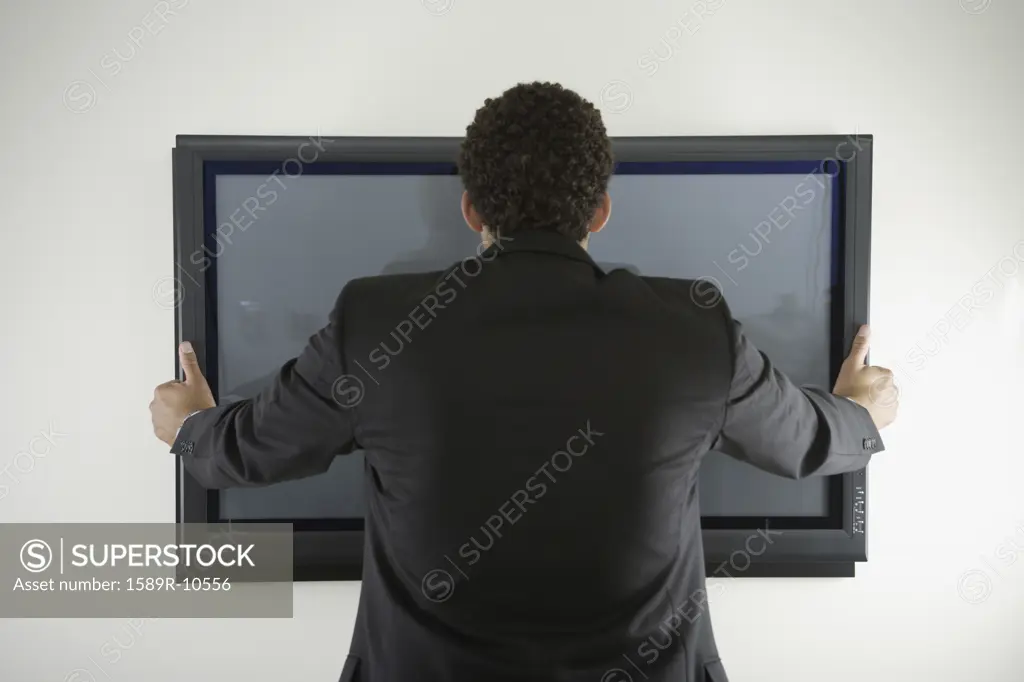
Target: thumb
x=190 y=364
x=861 y=343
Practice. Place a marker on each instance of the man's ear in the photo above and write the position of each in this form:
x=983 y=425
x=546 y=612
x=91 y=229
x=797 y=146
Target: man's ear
x=472 y=218
x=602 y=214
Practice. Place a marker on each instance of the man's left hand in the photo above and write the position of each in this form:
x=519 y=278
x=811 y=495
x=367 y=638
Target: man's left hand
x=176 y=400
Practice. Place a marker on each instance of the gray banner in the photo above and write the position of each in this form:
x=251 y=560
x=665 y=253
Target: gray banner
x=145 y=570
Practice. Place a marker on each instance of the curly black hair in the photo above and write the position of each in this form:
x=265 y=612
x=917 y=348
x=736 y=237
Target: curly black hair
x=536 y=158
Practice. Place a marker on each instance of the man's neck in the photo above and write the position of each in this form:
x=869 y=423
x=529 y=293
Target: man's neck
x=488 y=240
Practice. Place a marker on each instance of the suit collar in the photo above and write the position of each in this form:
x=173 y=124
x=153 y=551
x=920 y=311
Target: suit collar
x=542 y=241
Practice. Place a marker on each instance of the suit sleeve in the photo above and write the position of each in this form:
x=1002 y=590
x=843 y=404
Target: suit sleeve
x=787 y=430
x=293 y=429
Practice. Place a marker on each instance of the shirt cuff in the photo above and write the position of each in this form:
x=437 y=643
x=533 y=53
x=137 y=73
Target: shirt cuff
x=190 y=414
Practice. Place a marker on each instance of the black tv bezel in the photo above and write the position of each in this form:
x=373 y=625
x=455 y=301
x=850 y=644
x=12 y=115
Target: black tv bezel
x=329 y=554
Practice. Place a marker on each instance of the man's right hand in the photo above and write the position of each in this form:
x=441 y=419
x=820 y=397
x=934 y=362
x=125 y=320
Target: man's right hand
x=867 y=385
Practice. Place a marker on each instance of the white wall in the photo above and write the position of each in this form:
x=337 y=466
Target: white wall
x=86 y=222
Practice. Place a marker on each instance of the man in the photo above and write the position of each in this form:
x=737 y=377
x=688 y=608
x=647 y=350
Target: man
x=533 y=454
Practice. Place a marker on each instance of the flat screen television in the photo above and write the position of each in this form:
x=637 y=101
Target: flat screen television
x=269 y=229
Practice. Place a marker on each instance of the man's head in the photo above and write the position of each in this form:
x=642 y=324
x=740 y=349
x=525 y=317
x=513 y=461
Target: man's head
x=536 y=158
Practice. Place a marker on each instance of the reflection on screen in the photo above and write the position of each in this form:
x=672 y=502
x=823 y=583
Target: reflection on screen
x=278 y=279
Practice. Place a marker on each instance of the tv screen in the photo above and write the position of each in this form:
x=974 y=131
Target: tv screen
x=772 y=230
x=277 y=282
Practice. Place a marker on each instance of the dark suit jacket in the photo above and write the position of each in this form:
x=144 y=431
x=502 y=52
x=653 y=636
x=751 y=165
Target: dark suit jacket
x=533 y=427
